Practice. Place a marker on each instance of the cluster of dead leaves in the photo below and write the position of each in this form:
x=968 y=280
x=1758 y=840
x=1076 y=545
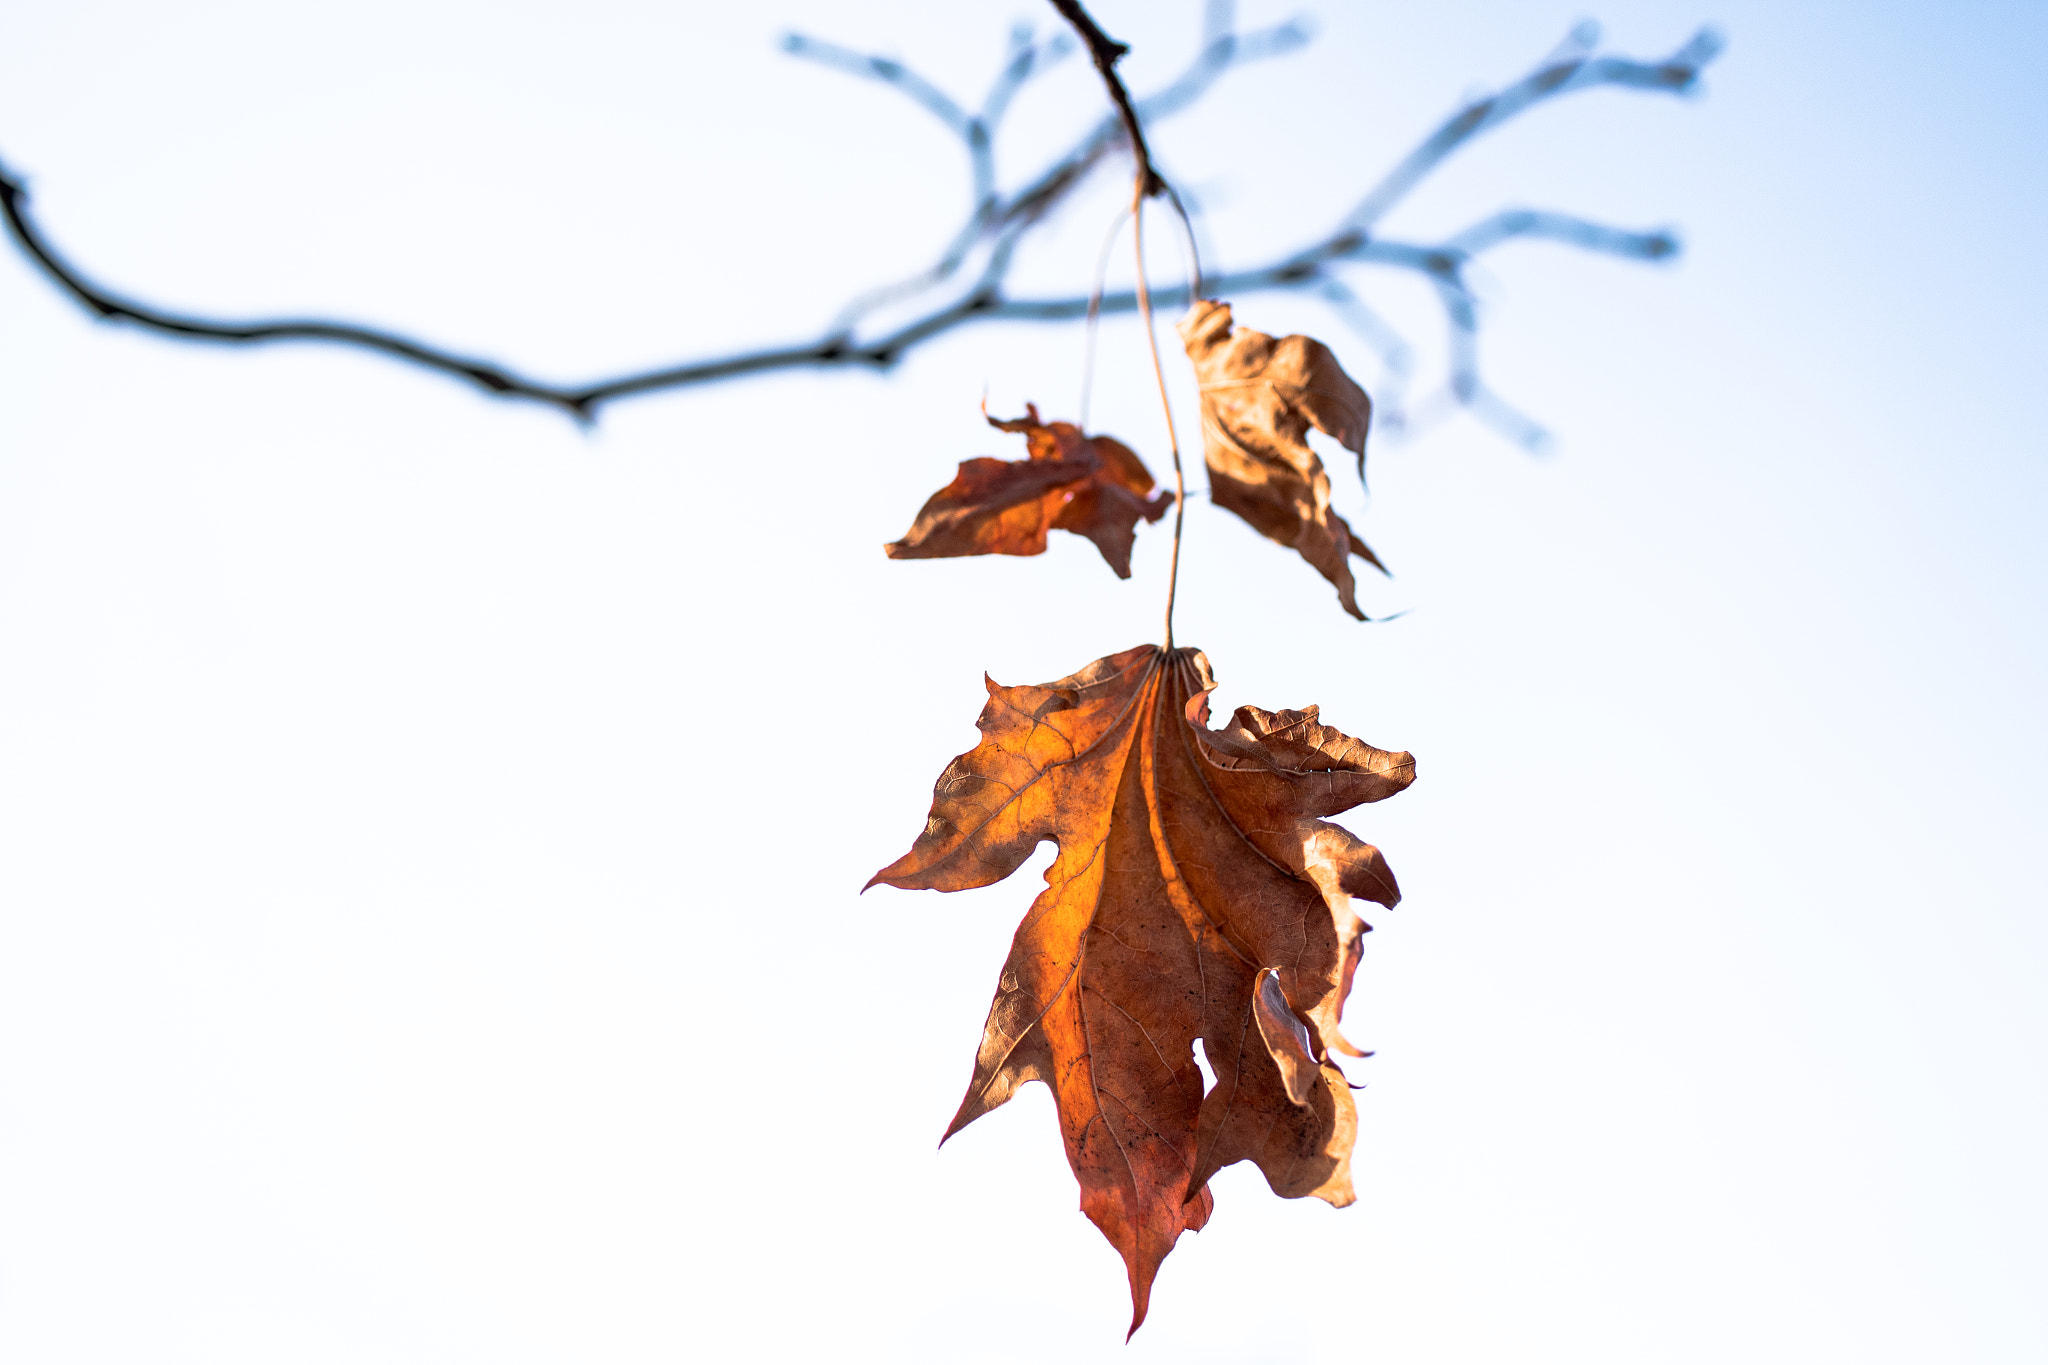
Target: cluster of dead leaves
x=1260 y=396
x=1198 y=894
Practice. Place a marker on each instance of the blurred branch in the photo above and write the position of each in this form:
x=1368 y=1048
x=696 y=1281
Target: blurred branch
x=112 y=307
x=965 y=284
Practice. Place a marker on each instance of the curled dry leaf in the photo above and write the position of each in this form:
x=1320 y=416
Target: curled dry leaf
x=1094 y=486
x=1198 y=893
x=1259 y=398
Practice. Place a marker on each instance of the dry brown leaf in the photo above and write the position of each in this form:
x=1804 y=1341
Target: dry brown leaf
x=1259 y=398
x=1198 y=893
x=1094 y=486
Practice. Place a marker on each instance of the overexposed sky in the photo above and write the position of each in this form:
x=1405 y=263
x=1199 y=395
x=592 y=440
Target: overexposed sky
x=430 y=832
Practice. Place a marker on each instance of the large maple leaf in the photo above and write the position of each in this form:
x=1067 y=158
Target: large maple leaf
x=1094 y=486
x=1198 y=893
x=1260 y=395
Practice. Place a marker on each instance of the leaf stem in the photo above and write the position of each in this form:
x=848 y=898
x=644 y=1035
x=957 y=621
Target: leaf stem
x=1095 y=318
x=1107 y=51
x=1180 y=487
x=1194 y=252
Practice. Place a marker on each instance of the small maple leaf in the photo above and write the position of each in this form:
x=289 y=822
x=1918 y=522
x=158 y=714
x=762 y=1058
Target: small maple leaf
x=1197 y=893
x=1259 y=398
x=1094 y=486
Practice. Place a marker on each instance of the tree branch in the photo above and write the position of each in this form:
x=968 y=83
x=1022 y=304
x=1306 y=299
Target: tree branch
x=997 y=223
x=112 y=307
x=1107 y=52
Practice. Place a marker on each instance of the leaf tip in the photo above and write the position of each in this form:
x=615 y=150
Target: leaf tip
x=1141 y=1305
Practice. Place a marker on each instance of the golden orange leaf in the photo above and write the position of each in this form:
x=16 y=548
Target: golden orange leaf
x=1094 y=486
x=1259 y=398
x=1198 y=893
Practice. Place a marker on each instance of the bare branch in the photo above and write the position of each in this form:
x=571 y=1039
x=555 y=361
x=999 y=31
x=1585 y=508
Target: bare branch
x=1572 y=69
x=997 y=223
x=1561 y=227
x=1393 y=349
x=1028 y=61
x=883 y=69
x=1107 y=52
x=1221 y=50
x=110 y=306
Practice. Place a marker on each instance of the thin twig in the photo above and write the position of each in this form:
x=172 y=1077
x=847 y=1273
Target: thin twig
x=969 y=276
x=1107 y=52
x=1571 y=68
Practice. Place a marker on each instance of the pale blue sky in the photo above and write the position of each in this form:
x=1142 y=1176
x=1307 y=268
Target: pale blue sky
x=429 y=832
